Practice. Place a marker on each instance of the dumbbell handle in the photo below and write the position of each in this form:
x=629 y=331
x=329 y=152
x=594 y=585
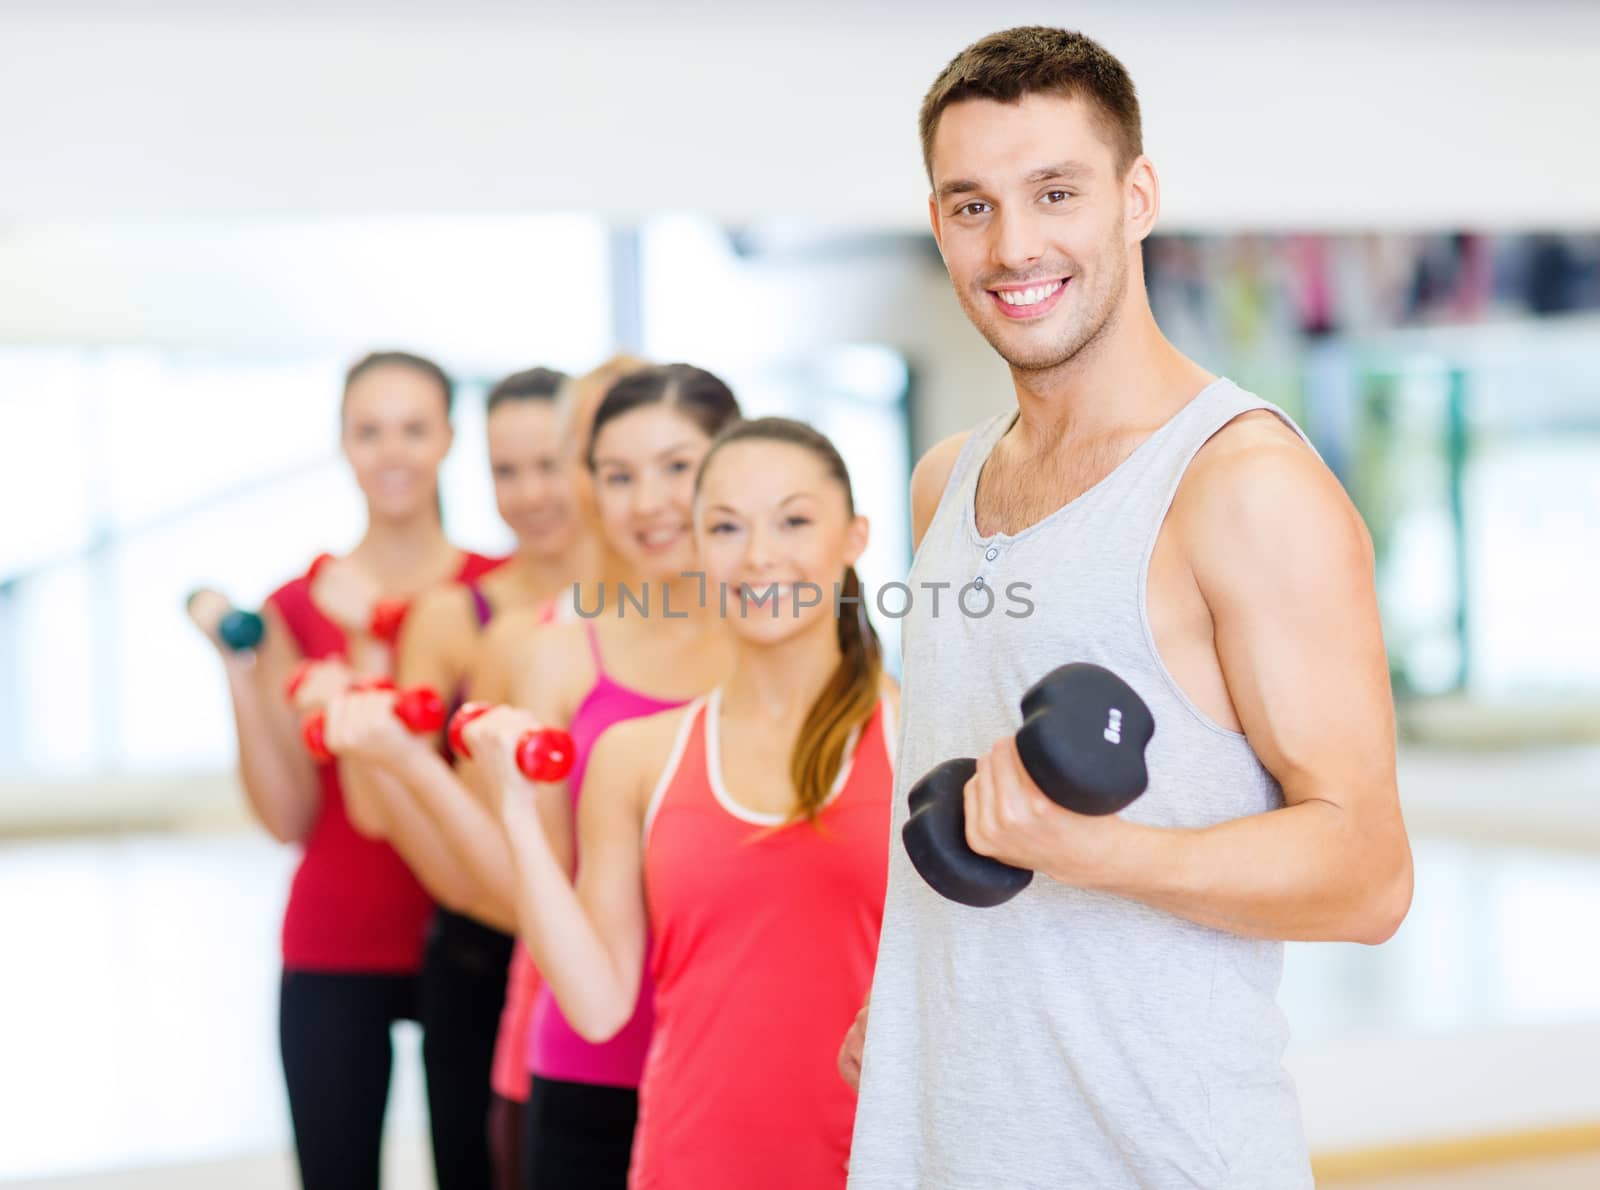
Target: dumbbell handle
x=419 y=708
x=1082 y=742
x=543 y=754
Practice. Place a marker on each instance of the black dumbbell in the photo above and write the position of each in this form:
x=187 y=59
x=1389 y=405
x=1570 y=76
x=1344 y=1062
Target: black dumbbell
x=1082 y=741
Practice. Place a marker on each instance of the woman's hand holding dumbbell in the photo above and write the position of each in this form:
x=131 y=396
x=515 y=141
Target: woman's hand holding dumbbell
x=370 y=718
x=317 y=681
x=511 y=746
x=373 y=721
x=230 y=628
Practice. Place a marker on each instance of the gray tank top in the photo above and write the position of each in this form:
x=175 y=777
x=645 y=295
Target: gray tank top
x=1069 y=1038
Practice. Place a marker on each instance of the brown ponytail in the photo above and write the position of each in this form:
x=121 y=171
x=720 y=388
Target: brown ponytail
x=851 y=694
x=846 y=702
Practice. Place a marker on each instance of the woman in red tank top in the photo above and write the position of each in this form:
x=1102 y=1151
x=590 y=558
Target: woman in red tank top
x=443 y=833
x=760 y=882
x=353 y=929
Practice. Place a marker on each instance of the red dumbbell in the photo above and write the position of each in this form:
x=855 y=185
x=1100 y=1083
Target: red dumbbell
x=387 y=617
x=419 y=708
x=387 y=614
x=543 y=754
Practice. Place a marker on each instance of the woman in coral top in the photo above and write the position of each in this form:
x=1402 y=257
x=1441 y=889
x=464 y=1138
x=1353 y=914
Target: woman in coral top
x=356 y=918
x=754 y=887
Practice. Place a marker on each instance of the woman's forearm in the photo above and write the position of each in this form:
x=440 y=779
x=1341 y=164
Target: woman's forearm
x=595 y=996
x=279 y=779
x=471 y=833
x=380 y=802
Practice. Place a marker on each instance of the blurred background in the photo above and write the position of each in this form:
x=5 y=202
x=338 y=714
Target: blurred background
x=1384 y=217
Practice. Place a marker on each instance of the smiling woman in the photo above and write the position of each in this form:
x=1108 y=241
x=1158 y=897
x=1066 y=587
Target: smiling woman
x=353 y=928
x=745 y=894
x=650 y=432
x=392 y=433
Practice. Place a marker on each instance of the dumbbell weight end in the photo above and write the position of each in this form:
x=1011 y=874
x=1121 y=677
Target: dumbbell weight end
x=935 y=837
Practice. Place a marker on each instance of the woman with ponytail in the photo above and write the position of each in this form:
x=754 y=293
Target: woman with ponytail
x=645 y=441
x=736 y=844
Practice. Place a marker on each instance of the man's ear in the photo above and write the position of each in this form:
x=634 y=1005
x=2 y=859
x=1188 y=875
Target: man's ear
x=933 y=222
x=1142 y=195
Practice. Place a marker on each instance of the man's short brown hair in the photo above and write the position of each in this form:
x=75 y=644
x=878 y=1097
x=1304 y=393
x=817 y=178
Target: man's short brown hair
x=1036 y=59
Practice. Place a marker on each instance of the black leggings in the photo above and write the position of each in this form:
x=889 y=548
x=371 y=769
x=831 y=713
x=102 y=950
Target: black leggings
x=460 y=994
x=578 y=1136
x=333 y=1032
x=505 y=1142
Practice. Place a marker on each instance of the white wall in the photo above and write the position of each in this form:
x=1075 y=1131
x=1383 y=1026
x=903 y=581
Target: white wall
x=478 y=291
x=482 y=291
x=1361 y=113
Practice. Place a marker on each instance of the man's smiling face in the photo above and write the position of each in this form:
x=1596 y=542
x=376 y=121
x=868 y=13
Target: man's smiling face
x=1029 y=208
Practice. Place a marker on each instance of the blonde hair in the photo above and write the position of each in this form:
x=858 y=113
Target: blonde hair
x=580 y=396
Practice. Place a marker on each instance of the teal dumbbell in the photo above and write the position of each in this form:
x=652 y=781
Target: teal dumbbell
x=238 y=629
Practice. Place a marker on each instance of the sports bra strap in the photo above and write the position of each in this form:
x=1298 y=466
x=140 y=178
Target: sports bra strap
x=594 y=649
x=480 y=604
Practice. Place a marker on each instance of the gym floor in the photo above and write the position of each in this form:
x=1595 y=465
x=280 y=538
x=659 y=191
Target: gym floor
x=138 y=1021
x=406 y=1165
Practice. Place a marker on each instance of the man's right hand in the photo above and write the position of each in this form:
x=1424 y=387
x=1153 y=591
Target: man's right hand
x=850 y=1051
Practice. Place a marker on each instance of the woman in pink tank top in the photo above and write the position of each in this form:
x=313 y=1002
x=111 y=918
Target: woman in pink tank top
x=754 y=889
x=639 y=645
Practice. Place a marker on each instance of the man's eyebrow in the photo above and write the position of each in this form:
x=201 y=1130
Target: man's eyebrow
x=1068 y=170
x=959 y=186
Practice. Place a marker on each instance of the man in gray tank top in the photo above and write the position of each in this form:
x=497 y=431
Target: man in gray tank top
x=1115 y=1024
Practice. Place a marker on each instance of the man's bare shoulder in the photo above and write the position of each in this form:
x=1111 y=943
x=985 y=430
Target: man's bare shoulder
x=1257 y=495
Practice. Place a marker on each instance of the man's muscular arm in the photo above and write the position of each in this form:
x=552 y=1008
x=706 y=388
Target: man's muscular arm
x=1284 y=564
